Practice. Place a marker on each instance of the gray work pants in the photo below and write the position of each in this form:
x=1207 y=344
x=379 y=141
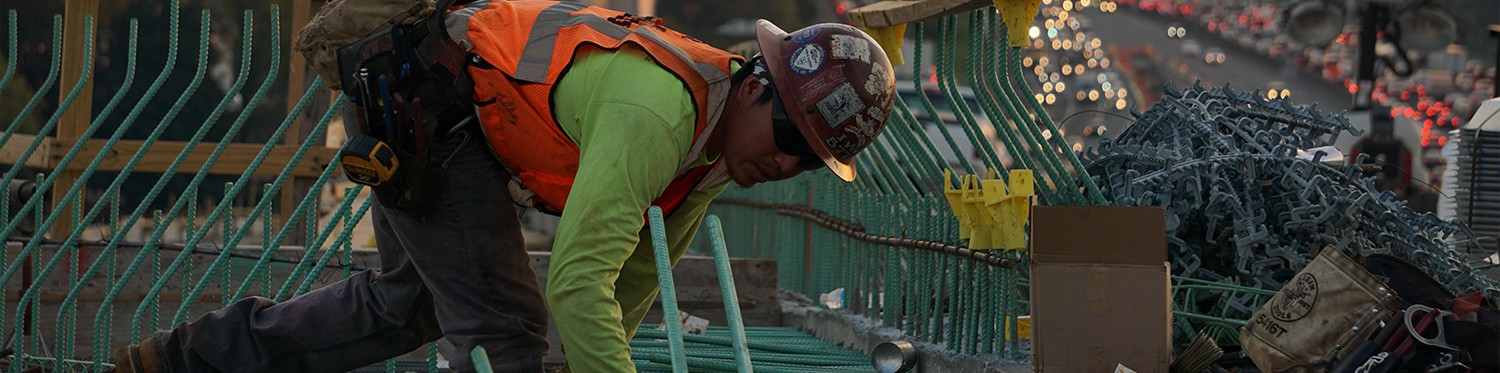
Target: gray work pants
x=460 y=272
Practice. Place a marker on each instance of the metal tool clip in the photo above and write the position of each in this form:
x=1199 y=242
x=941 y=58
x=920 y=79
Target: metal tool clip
x=1441 y=340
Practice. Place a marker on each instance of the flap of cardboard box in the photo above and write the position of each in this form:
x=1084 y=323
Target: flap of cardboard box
x=1104 y=235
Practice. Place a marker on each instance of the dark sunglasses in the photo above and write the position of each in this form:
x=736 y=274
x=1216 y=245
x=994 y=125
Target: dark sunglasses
x=789 y=139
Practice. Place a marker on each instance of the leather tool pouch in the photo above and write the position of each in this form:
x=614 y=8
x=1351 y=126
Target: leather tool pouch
x=407 y=83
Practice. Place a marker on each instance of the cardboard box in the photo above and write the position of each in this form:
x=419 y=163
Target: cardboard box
x=1100 y=290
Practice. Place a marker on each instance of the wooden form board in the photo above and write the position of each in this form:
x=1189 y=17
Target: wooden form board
x=895 y=12
x=235 y=159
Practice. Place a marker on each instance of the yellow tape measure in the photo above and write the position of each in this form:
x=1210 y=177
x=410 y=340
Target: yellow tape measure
x=369 y=161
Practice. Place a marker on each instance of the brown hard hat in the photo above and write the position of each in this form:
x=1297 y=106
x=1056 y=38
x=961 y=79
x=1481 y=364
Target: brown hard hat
x=836 y=83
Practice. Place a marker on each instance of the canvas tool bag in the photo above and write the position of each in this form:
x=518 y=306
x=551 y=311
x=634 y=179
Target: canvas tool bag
x=342 y=22
x=1319 y=316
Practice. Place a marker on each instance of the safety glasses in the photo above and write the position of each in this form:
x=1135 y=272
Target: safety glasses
x=788 y=138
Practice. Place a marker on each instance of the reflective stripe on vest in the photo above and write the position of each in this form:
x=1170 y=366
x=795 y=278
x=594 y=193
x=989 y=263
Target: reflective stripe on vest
x=522 y=47
x=537 y=58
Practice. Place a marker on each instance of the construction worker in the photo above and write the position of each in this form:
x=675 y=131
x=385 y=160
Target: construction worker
x=578 y=110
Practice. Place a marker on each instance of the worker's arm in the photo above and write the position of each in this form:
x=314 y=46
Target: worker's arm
x=633 y=123
x=637 y=287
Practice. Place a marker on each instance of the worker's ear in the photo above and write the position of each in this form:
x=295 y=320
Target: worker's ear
x=750 y=88
x=747 y=93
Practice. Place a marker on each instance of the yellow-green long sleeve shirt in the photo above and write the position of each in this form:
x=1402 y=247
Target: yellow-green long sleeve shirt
x=633 y=122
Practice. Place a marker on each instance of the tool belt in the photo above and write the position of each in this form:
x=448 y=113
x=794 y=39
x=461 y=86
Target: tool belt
x=406 y=84
x=1377 y=315
x=1313 y=320
x=1439 y=332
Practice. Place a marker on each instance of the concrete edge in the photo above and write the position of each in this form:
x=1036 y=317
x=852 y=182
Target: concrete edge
x=862 y=334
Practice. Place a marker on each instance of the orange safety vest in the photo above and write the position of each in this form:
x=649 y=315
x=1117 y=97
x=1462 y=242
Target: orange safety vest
x=519 y=50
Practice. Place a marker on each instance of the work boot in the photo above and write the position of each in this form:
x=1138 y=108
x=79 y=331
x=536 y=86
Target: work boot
x=136 y=358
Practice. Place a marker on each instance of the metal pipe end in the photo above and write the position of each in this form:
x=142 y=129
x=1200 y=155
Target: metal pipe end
x=894 y=356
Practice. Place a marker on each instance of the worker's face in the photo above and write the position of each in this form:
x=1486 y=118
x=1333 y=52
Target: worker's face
x=763 y=144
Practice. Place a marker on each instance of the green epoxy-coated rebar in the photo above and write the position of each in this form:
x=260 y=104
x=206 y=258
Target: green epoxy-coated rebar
x=10 y=61
x=943 y=315
x=901 y=134
x=101 y=335
x=57 y=115
x=235 y=187
x=731 y=296
x=308 y=201
x=308 y=204
x=1011 y=311
x=1029 y=129
x=908 y=131
x=87 y=63
x=432 y=359
x=668 y=291
x=263 y=207
x=225 y=230
x=65 y=334
x=948 y=85
x=349 y=244
x=481 y=360
x=266 y=248
x=190 y=219
x=725 y=342
x=807 y=360
x=937 y=120
x=197 y=180
x=46 y=85
x=879 y=179
x=1026 y=94
x=891 y=277
x=1022 y=132
x=146 y=146
x=348 y=228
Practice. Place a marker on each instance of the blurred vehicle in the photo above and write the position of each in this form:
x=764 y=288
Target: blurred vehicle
x=1092 y=87
x=1175 y=30
x=1191 y=47
x=1246 y=40
x=1088 y=88
x=1277 y=89
x=1214 y=56
x=1094 y=130
x=1263 y=46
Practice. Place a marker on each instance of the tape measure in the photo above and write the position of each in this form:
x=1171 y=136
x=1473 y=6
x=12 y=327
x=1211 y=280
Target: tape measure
x=369 y=161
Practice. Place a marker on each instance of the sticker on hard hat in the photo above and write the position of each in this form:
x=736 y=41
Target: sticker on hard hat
x=819 y=84
x=807 y=59
x=847 y=47
x=864 y=126
x=877 y=114
x=840 y=105
x=842 y=145
x=803 y=35
x=867 y=125
x=879 y=83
